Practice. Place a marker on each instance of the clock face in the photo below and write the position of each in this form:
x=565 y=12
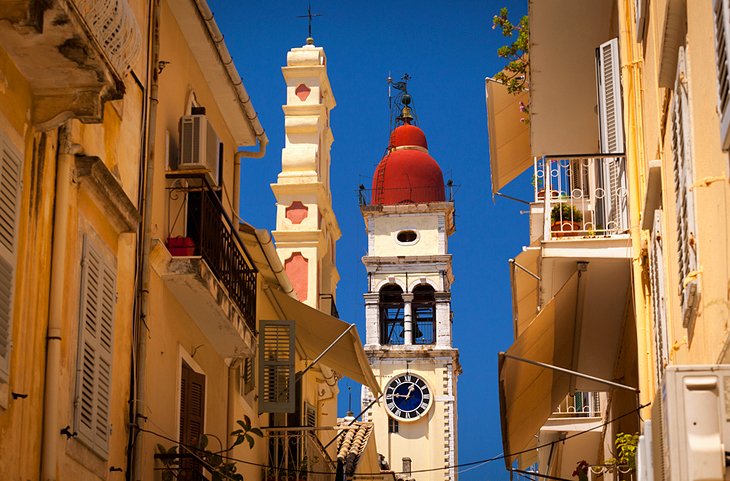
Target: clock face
x=407 y=397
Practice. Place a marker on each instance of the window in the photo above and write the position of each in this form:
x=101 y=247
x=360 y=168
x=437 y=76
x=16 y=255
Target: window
x=247 y=375
x=424 y=315
x=391 y=315
x=392 y=425
x=276 y=367
x=192 y=419
x=657 y=273
x=10 y=185
x=684 y=197
x=721 y=10
x=407 y=237
x=309 y=415
x=94 y=362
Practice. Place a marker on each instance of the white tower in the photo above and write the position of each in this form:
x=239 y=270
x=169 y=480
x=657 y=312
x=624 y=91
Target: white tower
x=408 y=309
x=306 y=227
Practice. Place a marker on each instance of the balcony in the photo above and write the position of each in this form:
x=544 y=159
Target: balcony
x=297 y=454
x=207 y=267
x=74 y=54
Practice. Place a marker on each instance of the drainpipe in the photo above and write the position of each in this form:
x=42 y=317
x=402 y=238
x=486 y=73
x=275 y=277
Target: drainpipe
x=142 y=330
x=263 y=142
x=65 y=160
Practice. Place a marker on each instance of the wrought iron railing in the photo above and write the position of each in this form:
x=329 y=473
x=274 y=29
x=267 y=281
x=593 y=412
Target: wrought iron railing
x=215 y=239
x=579 y=404
x=297 y=454
x=583 y=195
x=424 y=323
x=405 y=195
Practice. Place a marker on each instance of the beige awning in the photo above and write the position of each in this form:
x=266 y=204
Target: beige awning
x=525 y=288
x=528 y=394
x=509 y=139
x=316 y=330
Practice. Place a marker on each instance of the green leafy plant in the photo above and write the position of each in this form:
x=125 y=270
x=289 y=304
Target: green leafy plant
x=515 y=74
x=564 y=212
x=626 y=446
x=581 y=470
x=216 y=462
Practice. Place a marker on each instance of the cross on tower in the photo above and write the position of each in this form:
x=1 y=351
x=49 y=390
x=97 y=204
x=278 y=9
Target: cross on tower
x=310 y=16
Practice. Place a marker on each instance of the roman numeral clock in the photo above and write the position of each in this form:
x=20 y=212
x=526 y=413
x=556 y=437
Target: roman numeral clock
x=407 y=397
x=409 y=219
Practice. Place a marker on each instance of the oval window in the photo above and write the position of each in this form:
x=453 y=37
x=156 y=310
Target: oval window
x=407 y=236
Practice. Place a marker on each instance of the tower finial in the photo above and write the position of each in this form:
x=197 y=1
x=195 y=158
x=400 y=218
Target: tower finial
x=310 y=16
x=403 y=100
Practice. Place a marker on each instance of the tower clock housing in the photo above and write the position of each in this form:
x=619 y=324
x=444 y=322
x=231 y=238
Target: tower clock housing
x=408 y=309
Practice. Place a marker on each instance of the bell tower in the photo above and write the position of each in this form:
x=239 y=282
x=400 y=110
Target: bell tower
x=306 y=227
x=408 y=307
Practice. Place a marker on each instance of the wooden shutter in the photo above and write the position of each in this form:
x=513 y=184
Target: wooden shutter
x=276 y=366
x=10 y=186
x=657 y=275
x=683 y=164
x=192 y=420
x=248 y=381
x=612 y=207
x=721 y=10
x=94 y=364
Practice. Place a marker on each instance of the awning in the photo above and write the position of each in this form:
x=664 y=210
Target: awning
x=316 y=330
x=509 y=139
x=525 y=288
x=528 y=394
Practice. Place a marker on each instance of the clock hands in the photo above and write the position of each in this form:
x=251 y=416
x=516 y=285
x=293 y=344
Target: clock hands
x=411 y=388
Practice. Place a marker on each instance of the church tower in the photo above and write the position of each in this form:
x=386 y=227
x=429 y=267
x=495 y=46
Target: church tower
x=306 y=227
x=408 y=308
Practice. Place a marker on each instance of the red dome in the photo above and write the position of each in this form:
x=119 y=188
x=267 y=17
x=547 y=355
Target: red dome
x=407 y=174
x=408 y=135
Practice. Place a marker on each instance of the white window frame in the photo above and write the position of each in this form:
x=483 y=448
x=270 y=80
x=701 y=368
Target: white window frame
x=683 y=163
x=721 y=17
x=97 y=305
x=11 y=185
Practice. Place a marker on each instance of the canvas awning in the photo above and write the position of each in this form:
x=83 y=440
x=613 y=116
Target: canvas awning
x=528 y=394
x=509 y=138
x=316 y=331
x=525 y=288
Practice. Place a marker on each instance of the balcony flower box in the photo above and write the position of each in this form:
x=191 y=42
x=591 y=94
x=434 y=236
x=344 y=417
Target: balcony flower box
x=181 y=246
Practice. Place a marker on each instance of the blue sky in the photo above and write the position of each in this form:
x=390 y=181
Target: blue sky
x=448 y=48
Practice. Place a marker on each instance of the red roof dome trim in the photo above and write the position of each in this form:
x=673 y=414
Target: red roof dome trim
x=407 y=134
x=409 y=147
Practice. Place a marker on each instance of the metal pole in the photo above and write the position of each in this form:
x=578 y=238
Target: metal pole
x=316 y=360
x=568 y=371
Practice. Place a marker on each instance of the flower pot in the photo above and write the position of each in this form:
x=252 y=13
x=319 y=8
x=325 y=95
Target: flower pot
x=181 y=246
x=566 y=228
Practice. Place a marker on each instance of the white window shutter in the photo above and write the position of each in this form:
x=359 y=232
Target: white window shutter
x=93 y=383
x=276 y=366
x=10 y=186
x=657 y=275
x=721 y=10
x=683 y=164
x=612 y=209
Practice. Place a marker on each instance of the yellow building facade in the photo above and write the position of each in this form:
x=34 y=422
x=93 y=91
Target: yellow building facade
x=662 y=171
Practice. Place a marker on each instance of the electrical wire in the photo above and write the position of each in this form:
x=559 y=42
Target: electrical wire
x=427 y=470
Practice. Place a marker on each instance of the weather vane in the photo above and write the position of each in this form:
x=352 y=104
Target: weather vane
x=310 y=16
x=401 y=110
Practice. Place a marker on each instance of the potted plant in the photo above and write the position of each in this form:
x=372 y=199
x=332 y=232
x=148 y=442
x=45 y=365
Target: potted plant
x=566 y=220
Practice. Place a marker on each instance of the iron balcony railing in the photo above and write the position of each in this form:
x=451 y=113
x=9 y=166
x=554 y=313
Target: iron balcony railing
x=296 y=454
x=405 y=195
x=583 y=195
x=213 y=237
x=579 y=404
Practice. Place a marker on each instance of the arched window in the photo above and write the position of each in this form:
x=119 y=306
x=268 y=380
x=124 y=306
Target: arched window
x=391 y=315
x=424 y=315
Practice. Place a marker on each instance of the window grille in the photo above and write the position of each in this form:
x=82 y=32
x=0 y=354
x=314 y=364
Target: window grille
x=10 y=187
x=391 y=315
x=684 y=197
x=424 y=315
x=94 y=362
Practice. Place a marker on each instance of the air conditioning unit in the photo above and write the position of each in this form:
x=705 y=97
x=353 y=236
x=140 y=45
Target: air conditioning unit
x=690 y=426
x=200 y=146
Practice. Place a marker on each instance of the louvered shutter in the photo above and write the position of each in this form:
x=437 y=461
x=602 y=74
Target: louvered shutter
x=276 y=366
x=657 y=275
x=683 y=179
x=248 y=381
x=94 y=364
x=640 y=8
x=611 y=202
x=10 y=186
x=192 y=418
x=721 y=10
